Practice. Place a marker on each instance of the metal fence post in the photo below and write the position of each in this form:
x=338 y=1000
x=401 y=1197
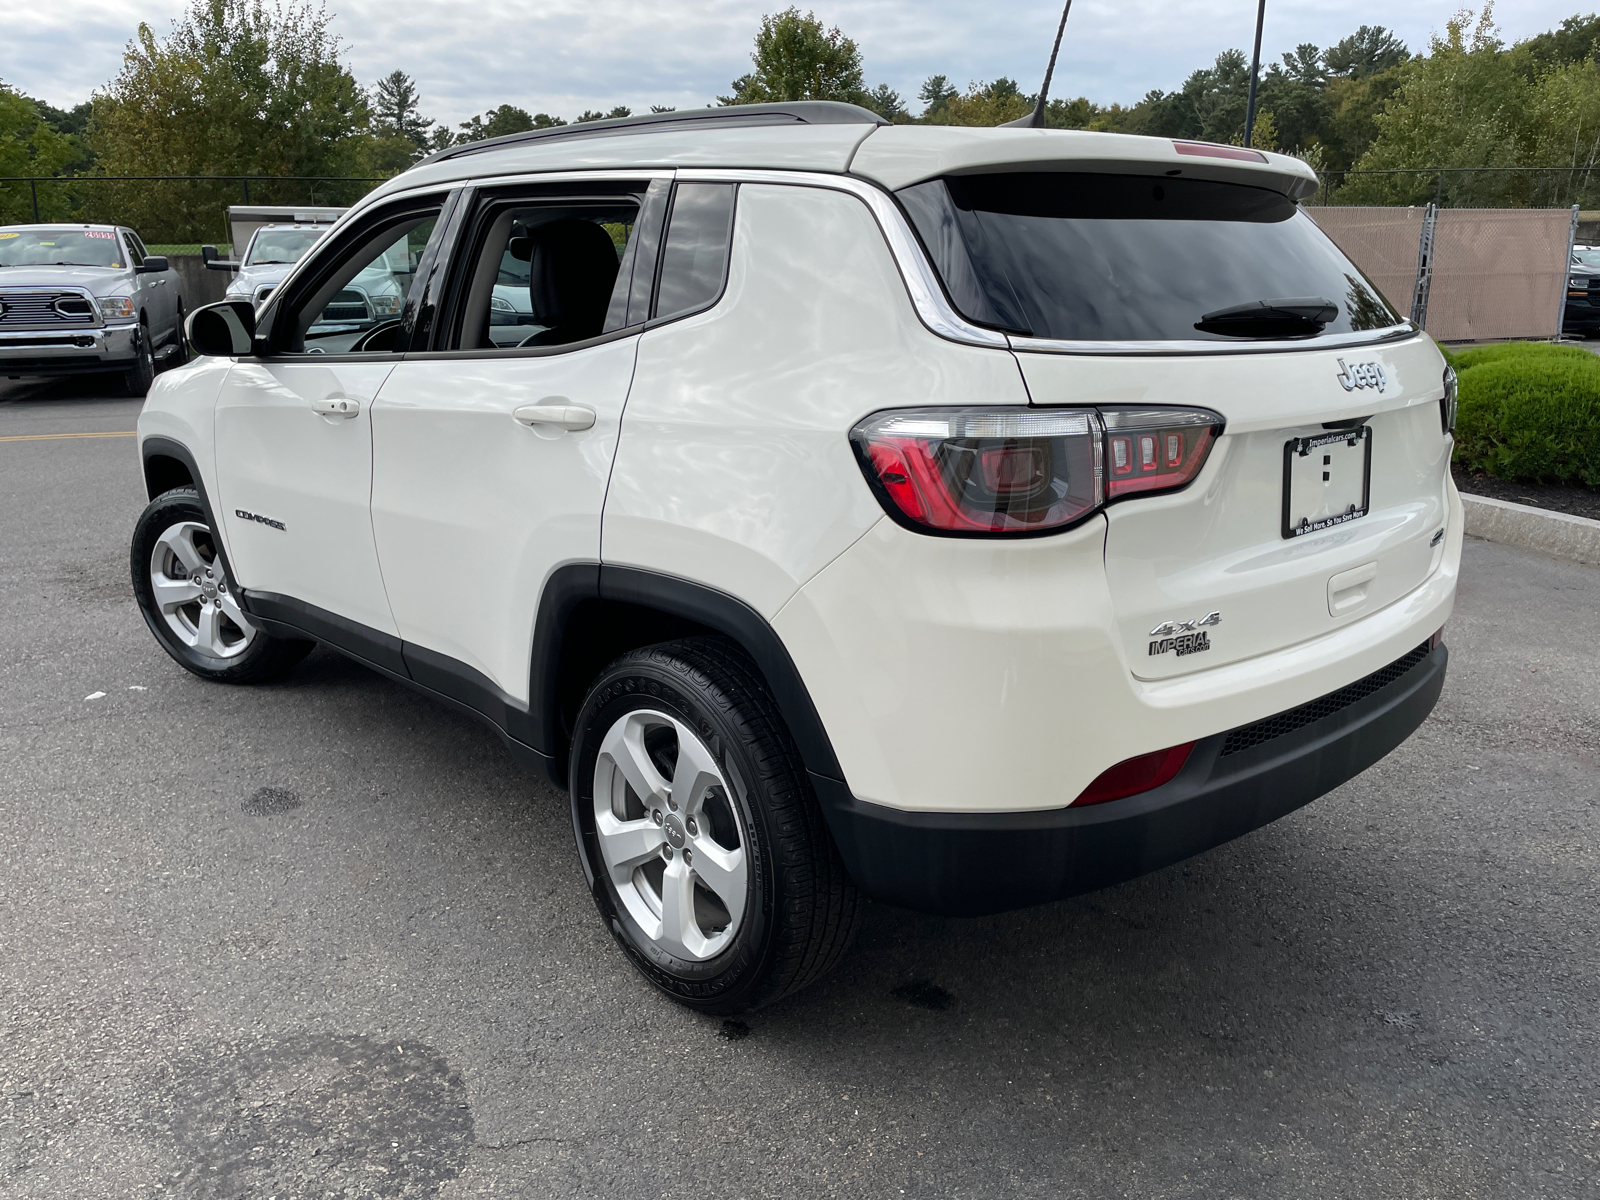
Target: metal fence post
x=247 y=190
x=1566 y=272
x=33 y=186
x=1419 y=295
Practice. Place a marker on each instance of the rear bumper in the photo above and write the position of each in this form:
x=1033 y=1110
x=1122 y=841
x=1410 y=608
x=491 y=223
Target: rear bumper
x=970 y=864
x=67 y=352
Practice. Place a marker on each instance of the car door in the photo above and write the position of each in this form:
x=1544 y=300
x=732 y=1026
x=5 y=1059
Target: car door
x=294 y=442
x=493 y=450
x=146 y=289
x=159 y=290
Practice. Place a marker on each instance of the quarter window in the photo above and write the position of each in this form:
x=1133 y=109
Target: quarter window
x=694 y=259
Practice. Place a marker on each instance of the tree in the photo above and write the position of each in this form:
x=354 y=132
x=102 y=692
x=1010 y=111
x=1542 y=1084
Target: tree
x=986 y=104
x=394 y=109
x=797 y=59
x=497 y=122
x=1368 y=51
x=621 y=110
x=935 y=95
x=239 y=87
x=29 y=145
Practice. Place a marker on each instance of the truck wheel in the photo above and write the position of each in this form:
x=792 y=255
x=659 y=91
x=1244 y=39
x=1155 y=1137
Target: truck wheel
x=699 y=833
x=136 y=380
x=190 y=605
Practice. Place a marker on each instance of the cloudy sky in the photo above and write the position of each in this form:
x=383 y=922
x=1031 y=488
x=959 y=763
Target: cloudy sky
x=562 y=56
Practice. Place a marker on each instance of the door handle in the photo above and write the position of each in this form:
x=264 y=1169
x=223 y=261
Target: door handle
x=571 y=417
x=337 y=406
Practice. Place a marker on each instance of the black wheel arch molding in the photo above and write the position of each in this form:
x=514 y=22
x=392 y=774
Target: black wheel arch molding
x=167 y=464
x=589 y=613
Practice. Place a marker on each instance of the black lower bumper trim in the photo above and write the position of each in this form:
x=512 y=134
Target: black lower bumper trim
x=970 y=864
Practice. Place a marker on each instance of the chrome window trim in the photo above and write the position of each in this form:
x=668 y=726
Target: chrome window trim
x=1337 y=341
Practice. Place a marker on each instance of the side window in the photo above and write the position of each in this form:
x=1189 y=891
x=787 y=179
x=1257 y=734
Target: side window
x=694 y=260
x=356 y=306
x=548 y=273
x=135 y=250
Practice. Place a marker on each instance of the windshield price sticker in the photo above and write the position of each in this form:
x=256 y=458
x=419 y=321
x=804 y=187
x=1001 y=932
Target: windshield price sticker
x=1327 y=480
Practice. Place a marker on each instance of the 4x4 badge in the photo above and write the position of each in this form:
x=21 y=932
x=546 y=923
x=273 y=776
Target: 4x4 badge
x=1362 y=375
x=1184 y=637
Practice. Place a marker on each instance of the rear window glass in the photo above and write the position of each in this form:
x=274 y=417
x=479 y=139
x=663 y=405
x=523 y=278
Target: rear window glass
x=1092 y=257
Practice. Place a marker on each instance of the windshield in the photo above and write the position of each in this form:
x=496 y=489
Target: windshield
x=1095 y=257
x=1586 y=257
x=59 y=247
x=281 y=245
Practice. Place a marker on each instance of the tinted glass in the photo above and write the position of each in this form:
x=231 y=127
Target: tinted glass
x=1586 y=257
x=695 y=256
x=366 y=293
x=281 y=245
x=1128 y=257
x=59 y=247
x=550 y=274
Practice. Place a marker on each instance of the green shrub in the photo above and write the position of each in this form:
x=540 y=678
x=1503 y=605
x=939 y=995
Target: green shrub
x=1530 y=411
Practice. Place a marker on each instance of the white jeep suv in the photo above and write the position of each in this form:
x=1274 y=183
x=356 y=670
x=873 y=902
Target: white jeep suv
x=966 y=518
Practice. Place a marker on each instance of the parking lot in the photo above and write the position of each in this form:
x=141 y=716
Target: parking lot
x=324 y=938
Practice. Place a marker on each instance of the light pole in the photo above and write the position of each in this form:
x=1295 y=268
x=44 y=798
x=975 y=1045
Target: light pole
x=1255 y=69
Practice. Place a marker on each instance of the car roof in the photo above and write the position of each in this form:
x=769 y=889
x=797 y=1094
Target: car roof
x=829 y=137
x=322 y=225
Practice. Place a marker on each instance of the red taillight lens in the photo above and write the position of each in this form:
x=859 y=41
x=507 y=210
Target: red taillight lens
x=983 y=470
x=1156 y=449
x=976 y=471
x=1135 y=775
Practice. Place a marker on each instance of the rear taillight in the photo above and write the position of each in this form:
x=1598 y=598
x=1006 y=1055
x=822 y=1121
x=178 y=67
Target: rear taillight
x=1135 y=775
x=1155 y=449
x=984 y=471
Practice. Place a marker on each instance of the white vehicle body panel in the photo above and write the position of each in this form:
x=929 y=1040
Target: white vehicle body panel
x=473 y=510
x=279 y=459
x=962 y=675
x=734 y=468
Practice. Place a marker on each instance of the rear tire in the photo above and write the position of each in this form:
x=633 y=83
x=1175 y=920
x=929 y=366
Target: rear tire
x=700 y=835
x=190 y=603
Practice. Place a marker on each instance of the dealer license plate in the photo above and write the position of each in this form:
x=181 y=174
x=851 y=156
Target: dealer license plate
x=1327 y=480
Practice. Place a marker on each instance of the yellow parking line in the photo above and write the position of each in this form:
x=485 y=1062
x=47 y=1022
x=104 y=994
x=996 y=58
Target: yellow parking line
x=50 y=437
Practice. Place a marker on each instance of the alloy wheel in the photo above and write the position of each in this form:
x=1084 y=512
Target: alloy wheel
x=671 y=835
x=192 y=594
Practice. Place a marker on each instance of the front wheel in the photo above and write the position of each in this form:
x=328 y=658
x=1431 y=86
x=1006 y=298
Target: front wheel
x=136 y=380
x=188 y=602
x=700 y=836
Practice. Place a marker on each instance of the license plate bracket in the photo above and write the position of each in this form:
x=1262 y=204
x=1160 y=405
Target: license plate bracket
x=1327 y=480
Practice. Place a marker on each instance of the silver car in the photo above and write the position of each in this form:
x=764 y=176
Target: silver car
x=83 y=298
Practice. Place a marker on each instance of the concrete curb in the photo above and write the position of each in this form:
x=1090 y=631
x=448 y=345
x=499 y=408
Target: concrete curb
x=1577 y=538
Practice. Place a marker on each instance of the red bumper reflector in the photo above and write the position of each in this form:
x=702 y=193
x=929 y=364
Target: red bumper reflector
x=1135 y=775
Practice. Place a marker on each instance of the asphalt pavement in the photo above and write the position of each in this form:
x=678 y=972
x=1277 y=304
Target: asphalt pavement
x=325 y=939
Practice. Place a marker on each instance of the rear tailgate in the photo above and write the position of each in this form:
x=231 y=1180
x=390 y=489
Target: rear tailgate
x=1220 y=546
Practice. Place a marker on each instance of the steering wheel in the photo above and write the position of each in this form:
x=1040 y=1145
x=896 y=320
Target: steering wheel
x=380 y=337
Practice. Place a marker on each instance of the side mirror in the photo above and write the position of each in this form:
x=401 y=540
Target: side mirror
x=154 y=264
x=225 y=330
x=208 y=255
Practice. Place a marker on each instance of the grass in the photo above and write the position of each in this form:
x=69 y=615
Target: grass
x=1530 y=411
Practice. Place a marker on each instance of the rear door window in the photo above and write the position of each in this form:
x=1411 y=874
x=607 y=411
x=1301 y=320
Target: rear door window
x=1129 y=258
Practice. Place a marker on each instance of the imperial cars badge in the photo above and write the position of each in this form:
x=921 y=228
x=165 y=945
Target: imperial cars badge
x=1361 y=375
x=1184 y=637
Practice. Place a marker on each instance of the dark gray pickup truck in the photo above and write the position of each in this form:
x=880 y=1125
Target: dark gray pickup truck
x=82 y=298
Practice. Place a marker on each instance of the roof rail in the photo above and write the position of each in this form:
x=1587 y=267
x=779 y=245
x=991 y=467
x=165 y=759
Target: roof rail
x=799 y=112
